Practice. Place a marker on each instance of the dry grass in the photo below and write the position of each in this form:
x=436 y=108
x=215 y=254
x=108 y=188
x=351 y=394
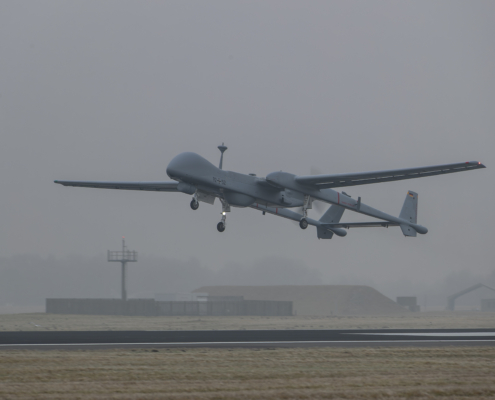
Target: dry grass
x=43 y=322
x=315 y=373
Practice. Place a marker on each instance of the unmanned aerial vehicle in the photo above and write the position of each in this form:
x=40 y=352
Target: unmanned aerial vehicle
x=280 y=191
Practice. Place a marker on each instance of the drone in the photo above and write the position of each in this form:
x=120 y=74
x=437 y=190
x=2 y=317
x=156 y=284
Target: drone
x=279 y=192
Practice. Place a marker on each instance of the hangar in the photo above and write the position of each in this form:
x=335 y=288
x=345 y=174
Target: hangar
x=317 y=300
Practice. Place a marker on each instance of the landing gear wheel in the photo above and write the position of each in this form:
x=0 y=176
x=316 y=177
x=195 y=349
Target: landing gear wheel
x=303 y=223
x=220 y=227
x=194 y=204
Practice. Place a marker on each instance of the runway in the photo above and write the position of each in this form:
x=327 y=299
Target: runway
x=75 y=340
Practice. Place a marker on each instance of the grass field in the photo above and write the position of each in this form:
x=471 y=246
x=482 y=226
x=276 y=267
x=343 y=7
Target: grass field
x=43 y=322
x=314 y=373
x=300 y=373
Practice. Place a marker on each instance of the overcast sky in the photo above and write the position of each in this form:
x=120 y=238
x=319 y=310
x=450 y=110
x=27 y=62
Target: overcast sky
x=113 y=90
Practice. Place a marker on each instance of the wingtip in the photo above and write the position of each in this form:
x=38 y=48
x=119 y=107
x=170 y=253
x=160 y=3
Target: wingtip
x=476 y=163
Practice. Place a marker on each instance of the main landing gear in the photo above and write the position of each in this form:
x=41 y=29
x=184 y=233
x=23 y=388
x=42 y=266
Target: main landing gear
x=194 y=202
x=303 y=223
x=225 y=210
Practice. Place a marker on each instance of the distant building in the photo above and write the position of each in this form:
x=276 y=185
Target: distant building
x=185 y=304
x=488 y=305
x=410 y=302
x=181 y=296
x=451 y=299
x=322 y=300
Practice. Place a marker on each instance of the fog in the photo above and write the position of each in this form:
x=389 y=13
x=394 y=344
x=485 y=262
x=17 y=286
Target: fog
x=27 y=280
x=113 y=90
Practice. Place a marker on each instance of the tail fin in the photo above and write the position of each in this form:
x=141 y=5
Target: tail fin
x=409 y=212
x=331 y=216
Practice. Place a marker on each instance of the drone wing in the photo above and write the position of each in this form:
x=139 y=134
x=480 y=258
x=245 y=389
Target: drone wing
x=170 y=186
x=364 y=178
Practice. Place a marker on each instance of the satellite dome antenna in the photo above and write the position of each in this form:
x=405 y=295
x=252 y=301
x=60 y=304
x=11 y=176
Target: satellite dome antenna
x=222 y=148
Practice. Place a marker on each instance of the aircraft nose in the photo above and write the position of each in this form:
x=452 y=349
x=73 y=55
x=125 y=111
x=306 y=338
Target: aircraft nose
x=180 y=165
x=173 y=168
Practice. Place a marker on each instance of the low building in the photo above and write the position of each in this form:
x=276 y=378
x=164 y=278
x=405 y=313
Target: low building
x=318 y=300
x=488 y=305
x=181 y=296
x=409 y=302
x=153 y=308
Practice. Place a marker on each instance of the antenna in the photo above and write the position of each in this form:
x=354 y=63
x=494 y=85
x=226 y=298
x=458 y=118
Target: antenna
x=222 y=148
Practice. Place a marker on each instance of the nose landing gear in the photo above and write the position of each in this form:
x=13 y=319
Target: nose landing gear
x=221 y=226
x=225 y=210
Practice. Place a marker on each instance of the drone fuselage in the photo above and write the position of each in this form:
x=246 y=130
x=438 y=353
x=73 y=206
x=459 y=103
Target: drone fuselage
x=239 y=190
x=278 y=189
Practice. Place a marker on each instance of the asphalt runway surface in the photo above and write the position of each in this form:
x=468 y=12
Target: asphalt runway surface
x=76 y=340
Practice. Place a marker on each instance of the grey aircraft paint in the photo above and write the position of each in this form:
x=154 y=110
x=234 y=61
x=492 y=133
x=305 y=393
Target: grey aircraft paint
x=194 y=175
